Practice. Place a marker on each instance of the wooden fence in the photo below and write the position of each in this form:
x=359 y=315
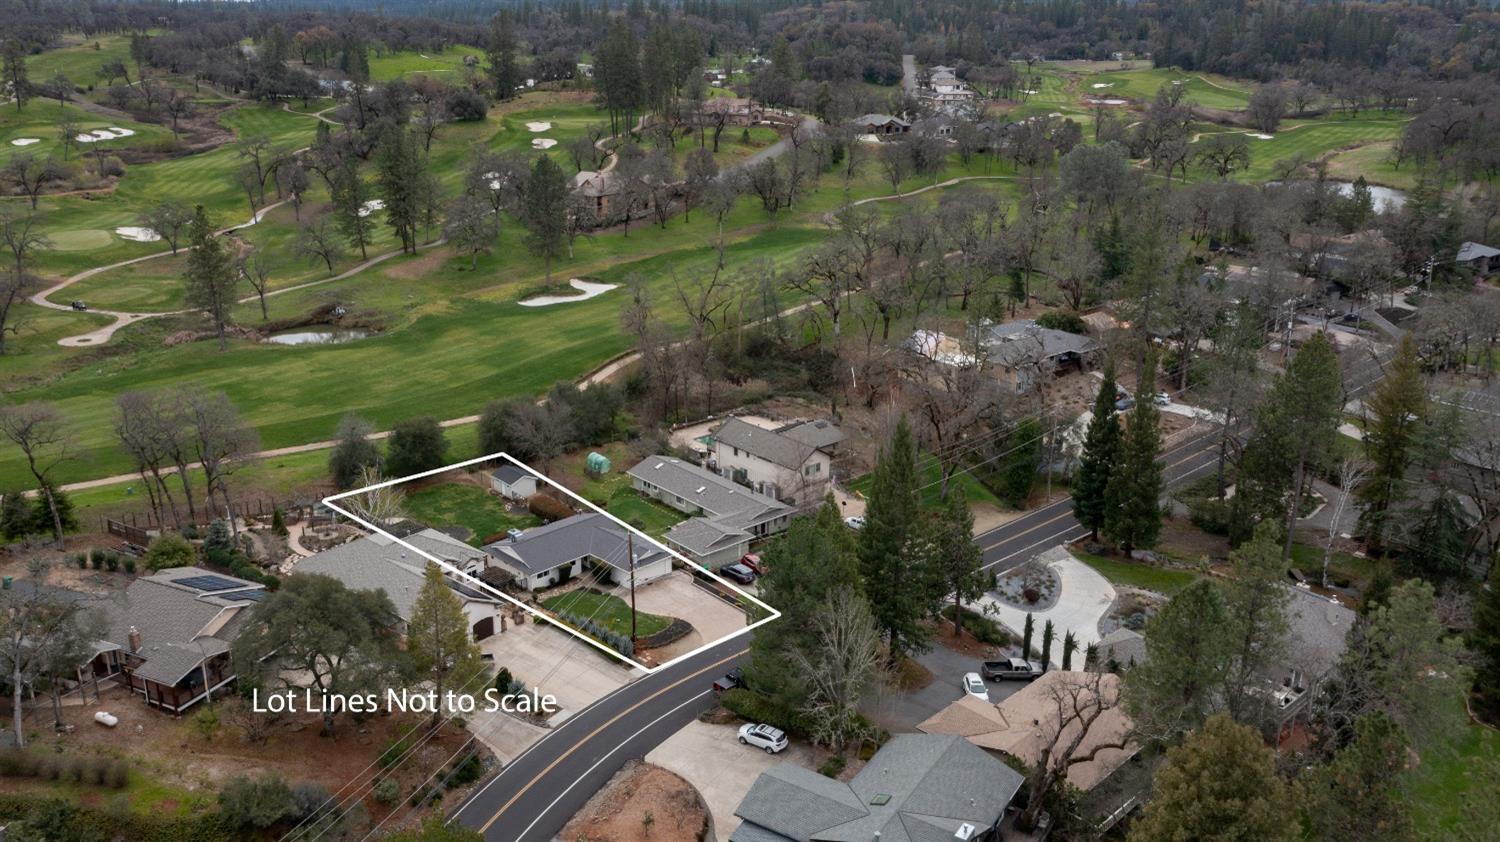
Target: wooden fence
x=137 y=526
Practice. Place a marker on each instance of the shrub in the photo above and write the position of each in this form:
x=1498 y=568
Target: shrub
x=169 y=550
x=387 y=791
x=130 y=565
x=396 y=749
x=117 y=775
x=82 y=560
x=750 y=705
x=548 y=508
x=1063 y=320
x=97 y=560
x=278 y=522
x=832 y=766
x=112 y=562
x=985 y=629
x=113 y=167
x=256 y=803
x=466 y=771
x=1210 y=514
x=1031 y=595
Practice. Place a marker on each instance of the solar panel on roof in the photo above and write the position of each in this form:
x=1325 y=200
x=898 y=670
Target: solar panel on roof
x=208 y=584
x=246 y=596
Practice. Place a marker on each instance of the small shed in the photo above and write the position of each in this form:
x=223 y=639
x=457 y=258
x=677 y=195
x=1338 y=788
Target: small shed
x=597 y=464
x=513 y=482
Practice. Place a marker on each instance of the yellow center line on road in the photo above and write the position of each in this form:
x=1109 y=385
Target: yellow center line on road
x=592 y=734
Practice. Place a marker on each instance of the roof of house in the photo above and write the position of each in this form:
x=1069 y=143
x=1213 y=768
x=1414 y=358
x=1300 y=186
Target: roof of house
x=182 y=614
x=376 y=562
x=1023 y=342
x=1317 y=632
x=735 y=506
x=917 y=788
x=880 y=120
x=595 y=184
x=1123 y=646
x=1023 y=724
x=1474 y=251
x=511 y=474
x=789 y=446
x=703 y=536
x=588 y=535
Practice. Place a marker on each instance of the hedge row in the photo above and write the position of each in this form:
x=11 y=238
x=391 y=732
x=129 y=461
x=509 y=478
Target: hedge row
x=86 y=824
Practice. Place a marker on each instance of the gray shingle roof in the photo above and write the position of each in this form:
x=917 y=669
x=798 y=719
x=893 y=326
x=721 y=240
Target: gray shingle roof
x=1317 y=632
x=770 y=445
x=880 y=120
x=589 y=535
x=735 y=506
x=1023 y=342
x=510 y=474
x=376 y=562
x=1123 y=646
x=819 y=434
x=1474 y=251
x=704 y=536
x=930 y=786
x=171 y=663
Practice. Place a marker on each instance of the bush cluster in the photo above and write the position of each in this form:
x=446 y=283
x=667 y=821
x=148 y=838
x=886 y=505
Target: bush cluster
x=614 y=640
x=97 y=771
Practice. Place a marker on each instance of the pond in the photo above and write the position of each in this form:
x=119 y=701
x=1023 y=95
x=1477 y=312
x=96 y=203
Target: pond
x=1385 y=198
x=317 y=336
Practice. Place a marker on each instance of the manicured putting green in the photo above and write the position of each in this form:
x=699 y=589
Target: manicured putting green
x=80 y=239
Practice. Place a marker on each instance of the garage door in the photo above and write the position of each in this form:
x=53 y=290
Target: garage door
x=484 y=628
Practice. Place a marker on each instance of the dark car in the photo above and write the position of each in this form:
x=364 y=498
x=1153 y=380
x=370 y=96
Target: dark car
x=732 y=679
x=1011 y=669
x=739 y=573
x=78 y=305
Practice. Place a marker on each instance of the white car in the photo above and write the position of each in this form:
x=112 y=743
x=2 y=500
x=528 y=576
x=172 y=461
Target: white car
x=856 y=522
x=974 y=686
x=764 y=737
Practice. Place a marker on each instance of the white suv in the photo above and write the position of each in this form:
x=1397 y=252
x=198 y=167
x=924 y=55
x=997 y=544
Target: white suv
x=772 y=740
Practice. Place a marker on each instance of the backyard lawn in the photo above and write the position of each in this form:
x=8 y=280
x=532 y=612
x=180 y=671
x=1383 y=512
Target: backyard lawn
x=468 y=506
x=1449 y=790
x=609 y=611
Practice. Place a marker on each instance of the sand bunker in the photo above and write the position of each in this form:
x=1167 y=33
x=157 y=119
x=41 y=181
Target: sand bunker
x=539 y=126
x=1030 y=92
x=137 y=234
x=371 y=206
x=1104 y=84
x=103 y=134
x=1259 y=136
x=586 y=290
x=1108 y=100
x=542 y=143
x=25 y=141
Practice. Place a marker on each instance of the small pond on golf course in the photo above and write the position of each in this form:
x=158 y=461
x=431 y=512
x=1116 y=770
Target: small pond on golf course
x=317 y=336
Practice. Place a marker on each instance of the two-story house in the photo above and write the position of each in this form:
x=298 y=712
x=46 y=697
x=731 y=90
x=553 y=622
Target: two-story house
x=792 y=463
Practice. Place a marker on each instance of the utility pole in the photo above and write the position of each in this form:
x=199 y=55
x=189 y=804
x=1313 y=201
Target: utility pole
x=630 y=560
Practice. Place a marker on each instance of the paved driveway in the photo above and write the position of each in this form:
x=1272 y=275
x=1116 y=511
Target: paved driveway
x=711 y=758
x=900 y=711
x=555 y=662
x=676 y=596
x=1082 y=602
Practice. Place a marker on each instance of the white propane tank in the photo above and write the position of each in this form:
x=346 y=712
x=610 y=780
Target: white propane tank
x=106 y=719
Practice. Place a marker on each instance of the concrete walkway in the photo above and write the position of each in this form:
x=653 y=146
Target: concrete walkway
x=1083 y=601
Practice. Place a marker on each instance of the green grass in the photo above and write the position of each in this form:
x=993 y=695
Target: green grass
x=446 y=65
x=607 y=610
x=460 y=504
x=1342 y=568
x=78 y=60
x=1133 y=575
x=1309 y=140
x=930 y=479
x=39 y=120
x=1452 y=777
x=1205 y=89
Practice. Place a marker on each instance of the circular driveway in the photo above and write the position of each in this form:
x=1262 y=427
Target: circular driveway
x=1082 y=601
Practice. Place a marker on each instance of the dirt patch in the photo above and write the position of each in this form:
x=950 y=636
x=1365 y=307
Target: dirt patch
x=965 y=644
x=1182 y=540
x=641 y=803
x=911 y=675
x=416 y=269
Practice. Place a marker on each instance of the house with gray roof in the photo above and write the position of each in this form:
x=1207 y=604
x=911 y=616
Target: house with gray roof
x=565 y=549
x=792 y=462
x=167 y=636
x=375 y=562
x=728 y=516
x=1479 y=257
x=1024 y=353
x=917 y=788
x=882 y=124
x=514 y=482
x=1316 y=637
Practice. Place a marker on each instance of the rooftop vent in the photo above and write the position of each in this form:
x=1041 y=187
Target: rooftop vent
x=880 y=799
x=964 y=831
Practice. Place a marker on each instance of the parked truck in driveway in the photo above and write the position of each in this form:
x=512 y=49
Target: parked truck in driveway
x=1011 y=669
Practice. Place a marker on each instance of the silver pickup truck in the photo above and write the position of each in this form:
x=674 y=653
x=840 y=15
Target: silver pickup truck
x=1011 y=669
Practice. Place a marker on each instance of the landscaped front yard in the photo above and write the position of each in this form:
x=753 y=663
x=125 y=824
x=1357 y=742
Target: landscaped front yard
x=469 y=506
x=609 y=611
x=1136 y=575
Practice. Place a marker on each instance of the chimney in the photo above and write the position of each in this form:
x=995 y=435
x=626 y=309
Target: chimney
x=134 y=636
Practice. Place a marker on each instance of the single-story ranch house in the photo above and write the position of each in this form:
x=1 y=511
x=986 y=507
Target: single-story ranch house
x=552 y=554
x=376 y=561
x=730 y=515
x=917 y=788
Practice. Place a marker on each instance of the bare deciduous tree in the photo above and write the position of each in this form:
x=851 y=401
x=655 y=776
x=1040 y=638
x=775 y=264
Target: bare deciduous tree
x=847 y=664
x=41 y=432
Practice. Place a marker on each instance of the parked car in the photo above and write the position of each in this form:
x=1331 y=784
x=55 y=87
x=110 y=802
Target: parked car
x=78 y=305
x=1125 y=403
x=974 y=686
x=752 y=561
x=1161 y=399
x=730 y=680
x=739 y=573
x=1011 y=669
x=856 y=522
x=764 y=737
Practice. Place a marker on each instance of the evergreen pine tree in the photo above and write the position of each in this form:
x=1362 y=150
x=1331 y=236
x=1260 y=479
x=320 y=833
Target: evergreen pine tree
x=546 y=209
x=1397 y=409
x=893 y=579
x=1132 y=517
x=1101 y=450
x=1484 y=641
x=400 y=174
x=437 y=638
x=1048 y=633
x=210 y=275
x=956 y=557
x=505 y=77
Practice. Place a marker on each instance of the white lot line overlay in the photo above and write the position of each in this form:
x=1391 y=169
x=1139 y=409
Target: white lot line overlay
x=772 y=613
